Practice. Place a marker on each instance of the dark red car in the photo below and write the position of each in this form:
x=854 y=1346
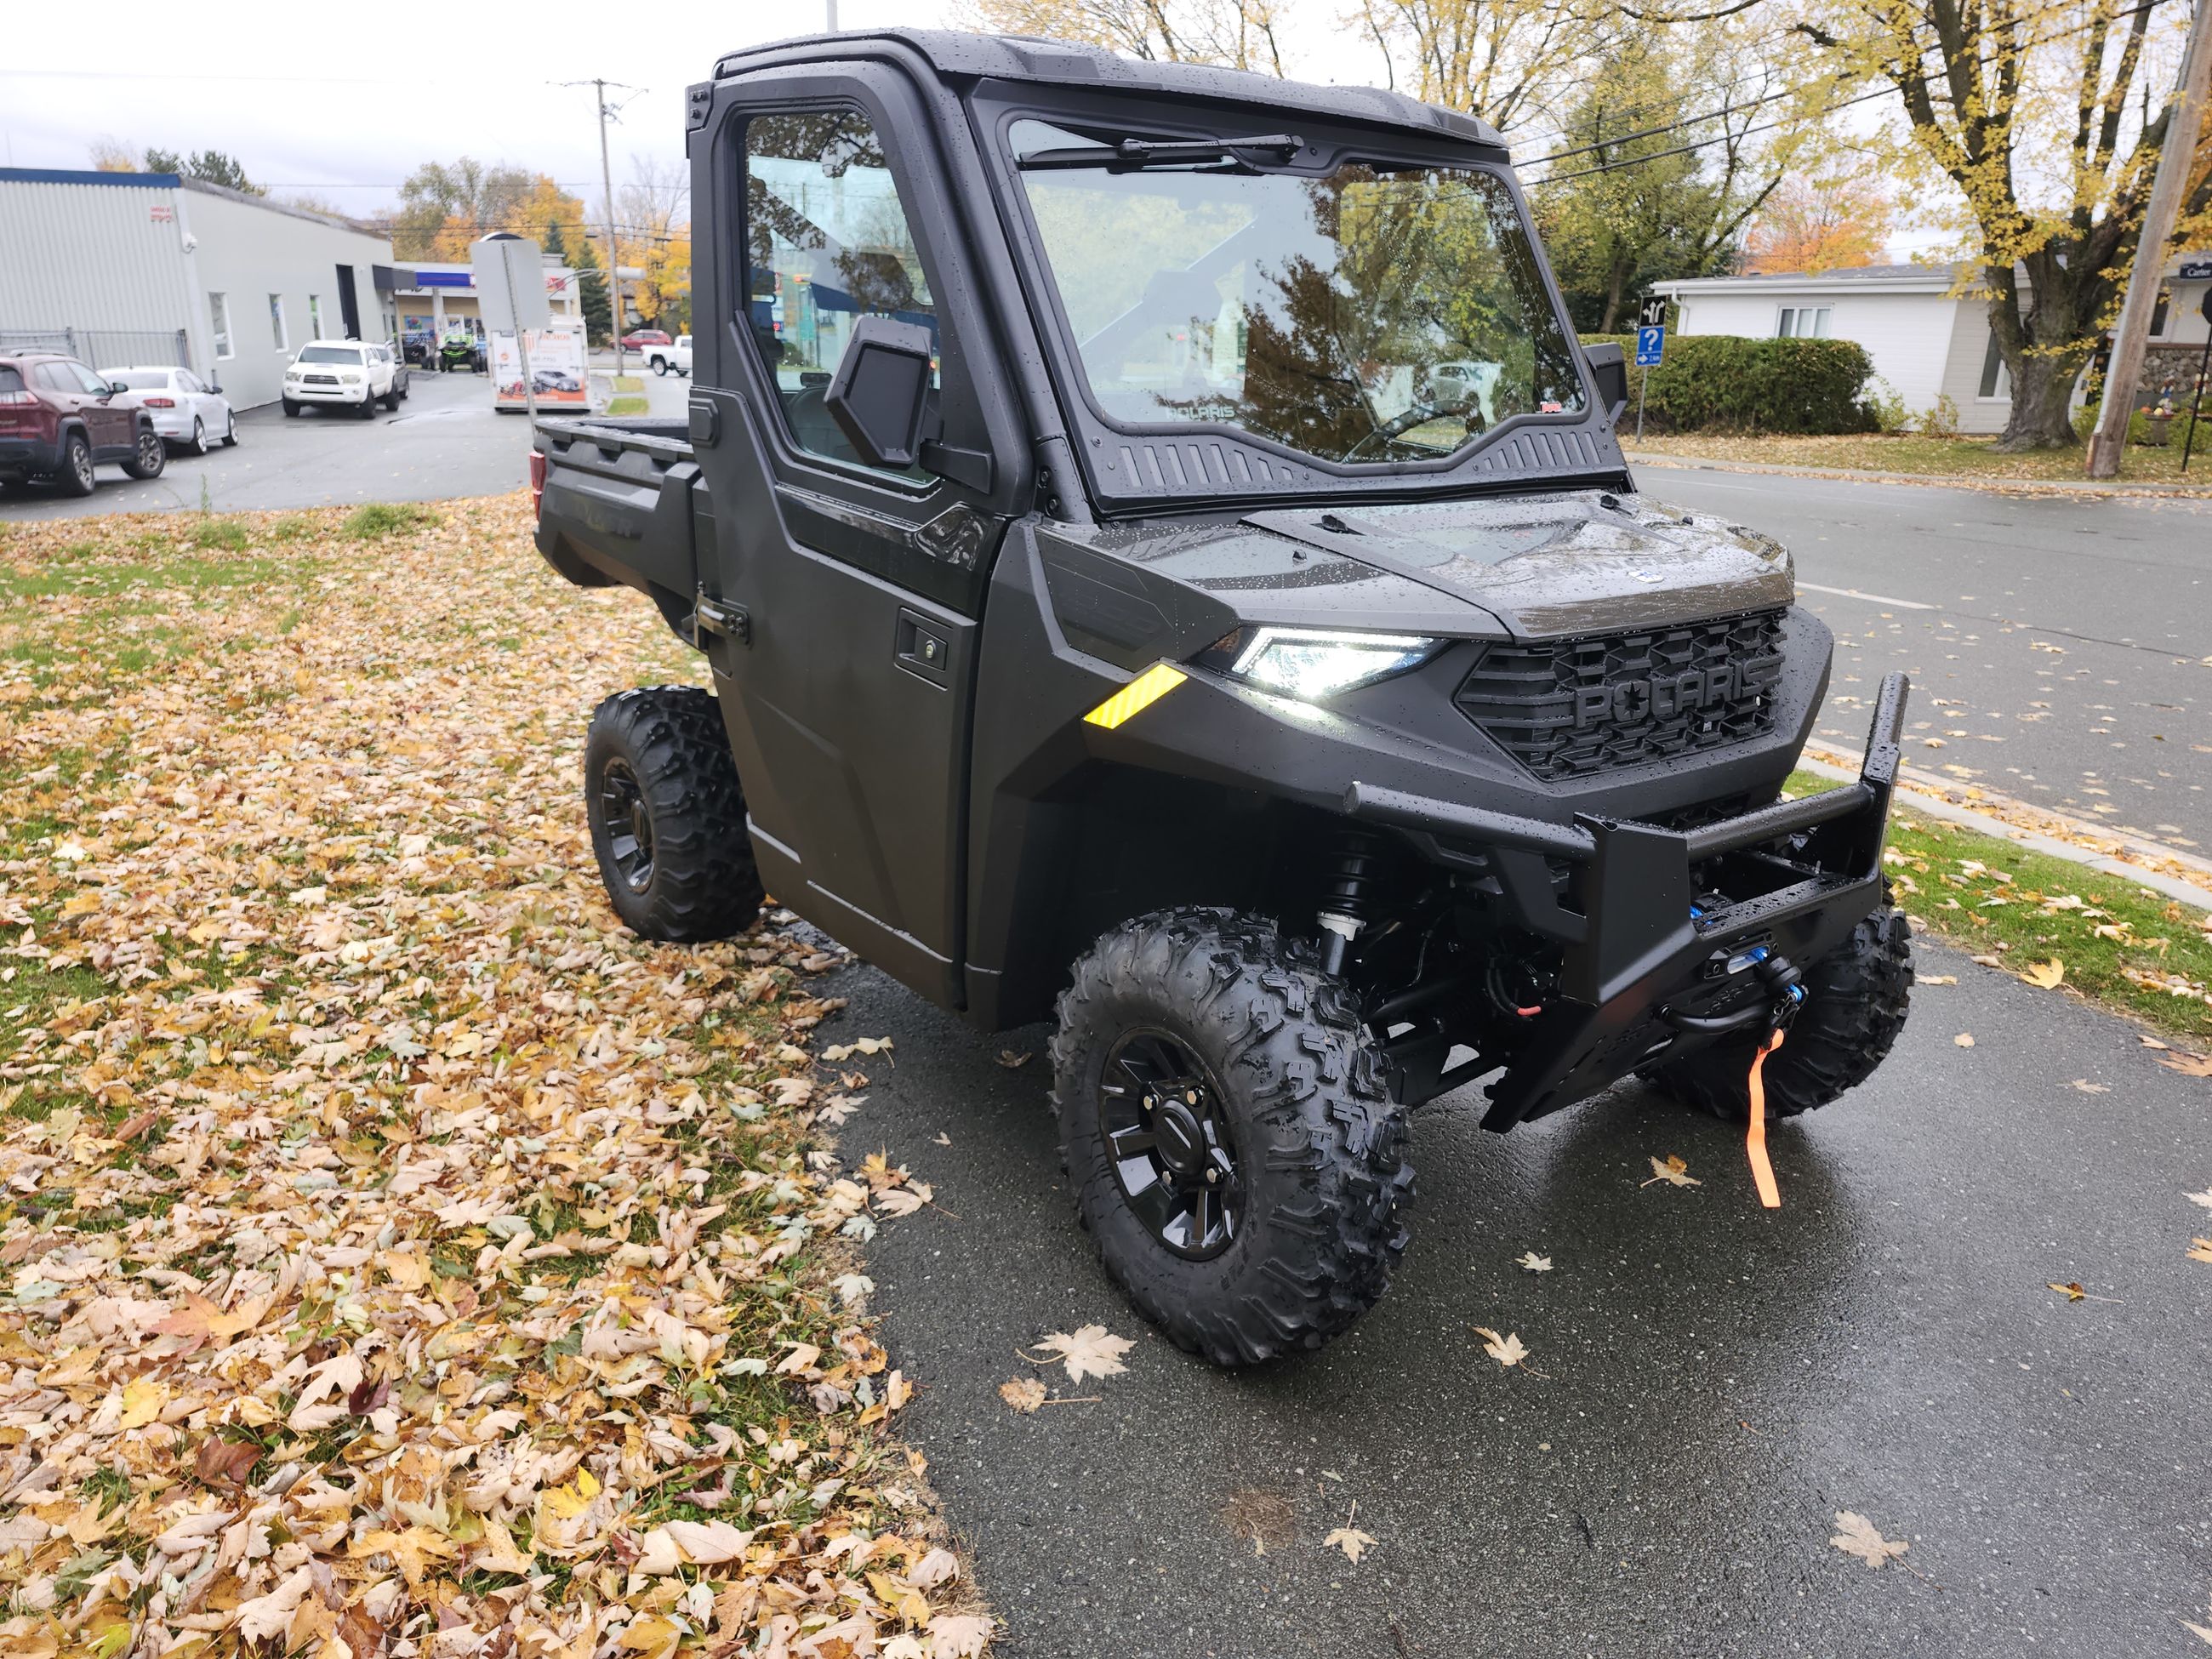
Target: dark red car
x=643 y=338
x=59 y=420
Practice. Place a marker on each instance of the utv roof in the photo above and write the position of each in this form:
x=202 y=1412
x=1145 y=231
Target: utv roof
x=1064 y=63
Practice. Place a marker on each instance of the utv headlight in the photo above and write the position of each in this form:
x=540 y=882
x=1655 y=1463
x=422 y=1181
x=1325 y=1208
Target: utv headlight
x=1309 y=664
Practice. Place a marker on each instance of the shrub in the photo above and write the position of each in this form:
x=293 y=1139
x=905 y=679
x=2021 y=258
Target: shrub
x=1887 y=404
x=387 y=518
x=1942 y=419
x=1727 y=382
x=289 y=528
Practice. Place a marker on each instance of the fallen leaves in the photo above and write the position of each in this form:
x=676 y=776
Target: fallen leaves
x=1023 y=1393
x=1964 y=1039
x=2071 y=1292
x=1533 y=1262
x=1090 y=1350
x=2200 y=1250
x=1858 y=1536
x=2046 y=975
x=1674 y=1171
x=2188 y=1064
x=2089 y=1088
x=396 y=1244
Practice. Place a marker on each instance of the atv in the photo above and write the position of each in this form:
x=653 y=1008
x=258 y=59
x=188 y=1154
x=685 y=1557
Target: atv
x=1165 y=566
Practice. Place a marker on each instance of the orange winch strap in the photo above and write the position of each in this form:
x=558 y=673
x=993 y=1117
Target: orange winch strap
x=1762 y=1172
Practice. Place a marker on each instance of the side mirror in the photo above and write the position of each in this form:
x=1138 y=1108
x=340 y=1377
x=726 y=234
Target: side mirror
x=114 y=386
x=1609 y=370
x=880 y=393
x=214 y=388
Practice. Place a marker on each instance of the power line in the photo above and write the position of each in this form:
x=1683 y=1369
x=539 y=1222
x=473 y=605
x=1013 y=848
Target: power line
x=1828 y=109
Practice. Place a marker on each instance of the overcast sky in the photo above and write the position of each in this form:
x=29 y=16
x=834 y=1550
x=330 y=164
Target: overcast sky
x=345 y=101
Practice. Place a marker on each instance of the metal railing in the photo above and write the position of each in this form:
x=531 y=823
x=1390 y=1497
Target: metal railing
x=104 y=347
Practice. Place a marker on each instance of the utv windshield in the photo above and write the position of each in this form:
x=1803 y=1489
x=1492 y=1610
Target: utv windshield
x=1380 y=312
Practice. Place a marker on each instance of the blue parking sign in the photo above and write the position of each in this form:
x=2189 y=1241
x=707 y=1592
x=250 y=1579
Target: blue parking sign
x=1650 y=345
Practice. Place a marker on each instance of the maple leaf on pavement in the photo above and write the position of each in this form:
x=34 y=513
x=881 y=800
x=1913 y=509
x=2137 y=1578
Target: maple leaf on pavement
x=1023 y=1393
x=1964 y=1039
x=1506 y=1350
x=2071 y=1293
x=2187 y=1064
x=2204 y=1198
x=2200 y=1250
x=1674 y=1172
x=1856 y=1536
x=1349 y=1538
x=2044 y=974
x=1533 y=1262
x=1090 y=1351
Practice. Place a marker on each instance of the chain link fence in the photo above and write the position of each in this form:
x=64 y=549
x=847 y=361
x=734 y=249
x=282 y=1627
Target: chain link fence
x=104 y=347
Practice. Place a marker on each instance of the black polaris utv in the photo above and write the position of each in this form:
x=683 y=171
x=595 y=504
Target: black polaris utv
x=1165 y=564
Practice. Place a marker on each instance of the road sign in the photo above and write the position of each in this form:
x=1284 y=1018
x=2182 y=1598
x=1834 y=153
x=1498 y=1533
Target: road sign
x=1651 y=346
x=1653 y=312
x=510 y=284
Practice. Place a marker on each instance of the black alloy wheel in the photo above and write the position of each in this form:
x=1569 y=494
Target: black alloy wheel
x=1173 y=1147
x=627 y=822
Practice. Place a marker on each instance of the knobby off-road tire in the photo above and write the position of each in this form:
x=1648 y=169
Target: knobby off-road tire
x=658 y=760
x=1321 y=1182
x=1856 y=999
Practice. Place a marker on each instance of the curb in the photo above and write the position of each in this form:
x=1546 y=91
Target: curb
x=1938 y=806
x=1926 y=480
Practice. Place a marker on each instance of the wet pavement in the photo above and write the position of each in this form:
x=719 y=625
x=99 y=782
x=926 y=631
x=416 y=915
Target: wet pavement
x=1707 y=1383
x=2067 y=639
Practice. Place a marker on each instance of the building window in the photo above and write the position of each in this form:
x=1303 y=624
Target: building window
x=276 y=322
x=219 y=317
x=1997 y=379
x=315 y=315
x=2160 y=312
x=1802 y=323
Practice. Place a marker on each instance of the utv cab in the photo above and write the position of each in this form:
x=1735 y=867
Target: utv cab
x=1165 y=566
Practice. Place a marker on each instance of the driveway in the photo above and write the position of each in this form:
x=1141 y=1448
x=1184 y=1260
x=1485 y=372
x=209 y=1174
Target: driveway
x=445 y=440
x=2058 y=645
x=1707 y=1383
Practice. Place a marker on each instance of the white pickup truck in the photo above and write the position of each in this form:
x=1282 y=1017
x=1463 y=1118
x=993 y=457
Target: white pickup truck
x=677 y=356
x=353 y=375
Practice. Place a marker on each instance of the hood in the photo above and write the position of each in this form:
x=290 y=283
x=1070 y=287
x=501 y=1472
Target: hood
x=1577 y=561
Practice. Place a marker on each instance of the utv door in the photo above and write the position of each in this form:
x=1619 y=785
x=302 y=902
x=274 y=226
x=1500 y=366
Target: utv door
x=850 y=596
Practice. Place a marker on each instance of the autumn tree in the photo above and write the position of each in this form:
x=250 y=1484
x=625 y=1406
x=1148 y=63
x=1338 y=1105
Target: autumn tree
x=654 y=227
x=1631 y=201
x=1820 y=221
x=444 y=207
x=1503 y=60
x=2045 y=122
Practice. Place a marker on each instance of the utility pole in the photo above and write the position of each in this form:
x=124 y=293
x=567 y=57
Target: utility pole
x=614 y=248
x=607 y=184
x=830 y=14
x=2186 y=116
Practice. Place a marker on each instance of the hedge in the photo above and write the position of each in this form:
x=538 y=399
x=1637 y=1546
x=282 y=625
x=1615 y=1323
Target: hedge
x=1726 y=382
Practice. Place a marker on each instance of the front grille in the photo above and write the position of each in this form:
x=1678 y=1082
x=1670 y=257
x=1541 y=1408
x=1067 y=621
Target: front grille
x=1567 y=708
x=322 y=379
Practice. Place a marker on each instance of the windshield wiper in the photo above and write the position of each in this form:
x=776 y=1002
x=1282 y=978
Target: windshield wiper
x=1128 y=154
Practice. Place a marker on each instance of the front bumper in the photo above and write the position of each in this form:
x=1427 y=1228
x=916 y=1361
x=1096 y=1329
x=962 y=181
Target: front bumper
x=352 y=395
x=1659 y=927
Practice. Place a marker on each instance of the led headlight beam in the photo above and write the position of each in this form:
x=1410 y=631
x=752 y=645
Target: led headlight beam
x=1311 y=663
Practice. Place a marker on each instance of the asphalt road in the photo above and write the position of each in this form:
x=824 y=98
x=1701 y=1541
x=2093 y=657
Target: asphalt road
x=1707 y=1383
x=2068 y=640
x=445 y=441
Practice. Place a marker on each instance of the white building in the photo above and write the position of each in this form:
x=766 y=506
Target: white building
x=1928 y=340
x=120 y=268
x=430 y=297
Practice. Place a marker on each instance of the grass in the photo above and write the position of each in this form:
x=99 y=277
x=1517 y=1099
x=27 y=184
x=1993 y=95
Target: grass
x=2122 y=946
x=630 y=383
x=380 y=519
x=625 y=406
x=1971 y=458
x=226 y=533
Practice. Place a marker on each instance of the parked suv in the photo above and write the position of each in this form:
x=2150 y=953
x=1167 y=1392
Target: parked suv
x=59 y=419
x=351 y=374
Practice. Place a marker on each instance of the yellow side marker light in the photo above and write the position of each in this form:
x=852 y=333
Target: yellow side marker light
x=1139 y=695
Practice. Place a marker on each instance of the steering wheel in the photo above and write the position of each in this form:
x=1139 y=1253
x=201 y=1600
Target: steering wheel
x=1419 y=415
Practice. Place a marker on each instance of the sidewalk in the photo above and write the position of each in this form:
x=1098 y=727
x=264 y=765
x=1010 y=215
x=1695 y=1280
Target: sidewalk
x=1937 y=480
